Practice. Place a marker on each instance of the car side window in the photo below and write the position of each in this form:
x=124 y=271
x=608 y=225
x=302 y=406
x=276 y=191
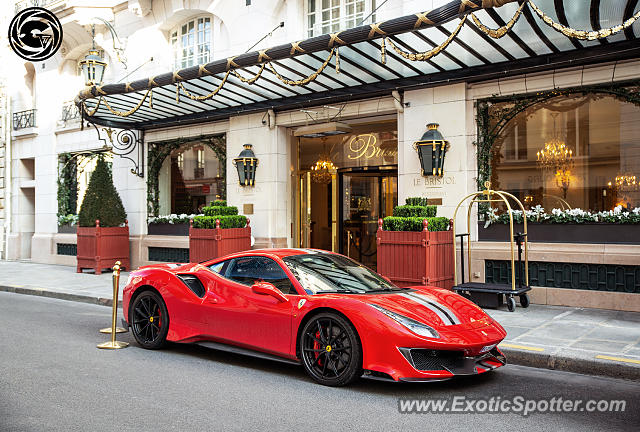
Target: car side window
x=251 y=270
x=220 y=267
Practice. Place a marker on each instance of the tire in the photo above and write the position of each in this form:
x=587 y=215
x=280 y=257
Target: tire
x=511 y=304
x=330 y=350
x=149 y=320
x=524 y=301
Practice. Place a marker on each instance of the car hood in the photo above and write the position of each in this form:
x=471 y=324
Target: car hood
x=433 y=306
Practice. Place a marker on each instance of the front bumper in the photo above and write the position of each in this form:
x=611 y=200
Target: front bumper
x=447 y=364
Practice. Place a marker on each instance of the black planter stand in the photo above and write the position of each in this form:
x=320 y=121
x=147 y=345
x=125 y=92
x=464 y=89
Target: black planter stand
x=181 y=229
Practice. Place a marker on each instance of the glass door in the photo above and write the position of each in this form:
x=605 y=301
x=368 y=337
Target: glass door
x=366 y=197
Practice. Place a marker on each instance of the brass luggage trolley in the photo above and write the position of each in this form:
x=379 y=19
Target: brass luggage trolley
x=492 y=294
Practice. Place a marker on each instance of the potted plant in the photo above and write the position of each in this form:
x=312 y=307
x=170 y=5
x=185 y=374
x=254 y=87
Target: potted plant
x=415 y=247
x=173 y=224
x=103 y=233
x=615 y=226
x=220 y=231
x=67 y=224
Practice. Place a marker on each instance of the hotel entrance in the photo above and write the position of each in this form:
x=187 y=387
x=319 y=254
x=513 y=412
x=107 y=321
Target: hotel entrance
x=346 y=182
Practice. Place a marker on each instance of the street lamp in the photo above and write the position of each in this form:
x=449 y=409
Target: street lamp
x=246 y=164
x=431 y=150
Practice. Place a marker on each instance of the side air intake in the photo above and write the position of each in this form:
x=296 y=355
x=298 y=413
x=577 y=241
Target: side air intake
x=193 y=283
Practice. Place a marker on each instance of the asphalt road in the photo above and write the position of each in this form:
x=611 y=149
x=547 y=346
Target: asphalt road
x=52 y=378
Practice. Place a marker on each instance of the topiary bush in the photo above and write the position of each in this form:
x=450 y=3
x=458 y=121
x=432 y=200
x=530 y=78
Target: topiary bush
x=101 y=200
x=220 y=211
x=209 y=222
x=409 y=217
x=393 y=223
x=228 y=216
x=415 y=211
x=416 y=201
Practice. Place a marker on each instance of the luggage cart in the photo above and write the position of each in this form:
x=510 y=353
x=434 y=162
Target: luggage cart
x=493 y=294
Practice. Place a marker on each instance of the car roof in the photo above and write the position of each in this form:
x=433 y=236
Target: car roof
x=278 y=252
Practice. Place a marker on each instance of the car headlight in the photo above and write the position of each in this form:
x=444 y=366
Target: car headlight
x=411 y=324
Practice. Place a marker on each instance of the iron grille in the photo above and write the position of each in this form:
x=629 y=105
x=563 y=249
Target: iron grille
x=166 y=254
x=70 y=249
x=69 y=112
x=594 y=277
x=24 y=119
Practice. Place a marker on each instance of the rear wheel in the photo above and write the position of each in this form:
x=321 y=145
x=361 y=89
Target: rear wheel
x=330 y=350
x=149 y=320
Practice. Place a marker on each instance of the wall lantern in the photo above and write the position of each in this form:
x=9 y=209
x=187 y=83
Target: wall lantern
x=431 y=149
x=93 y=67
x=246 y=164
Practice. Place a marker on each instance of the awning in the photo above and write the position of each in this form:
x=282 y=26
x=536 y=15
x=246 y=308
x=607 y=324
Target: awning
x=465 y=40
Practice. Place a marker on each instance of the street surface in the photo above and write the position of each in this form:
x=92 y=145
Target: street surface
x=53 y=378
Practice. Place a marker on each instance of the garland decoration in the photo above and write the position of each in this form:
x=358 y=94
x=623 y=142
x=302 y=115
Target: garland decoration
x=583 y=34
x=424 y=56
x=264 y=60
x=308 y=79
x=192 y=96
x=249 y=80
x=132 y=110
x=501 y=31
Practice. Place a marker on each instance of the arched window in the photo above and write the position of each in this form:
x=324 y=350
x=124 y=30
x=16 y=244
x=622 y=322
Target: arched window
x=577 y=151
x=191 y=42
x=328 y=16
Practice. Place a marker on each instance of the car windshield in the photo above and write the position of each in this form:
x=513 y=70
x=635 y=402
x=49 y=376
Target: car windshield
x=322 y=273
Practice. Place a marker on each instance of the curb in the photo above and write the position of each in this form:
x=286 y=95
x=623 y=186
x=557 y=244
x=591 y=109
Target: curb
x=102 y=301
x=584 y=366
x=537 y=360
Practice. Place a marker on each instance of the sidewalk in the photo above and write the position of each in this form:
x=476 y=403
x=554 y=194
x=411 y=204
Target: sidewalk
x=589 y=341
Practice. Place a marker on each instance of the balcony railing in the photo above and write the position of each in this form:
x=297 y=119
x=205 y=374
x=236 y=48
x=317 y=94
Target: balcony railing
x=69 y=112
x=24 y=119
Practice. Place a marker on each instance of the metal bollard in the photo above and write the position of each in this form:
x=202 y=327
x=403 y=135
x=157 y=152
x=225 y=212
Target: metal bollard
x=113 y=343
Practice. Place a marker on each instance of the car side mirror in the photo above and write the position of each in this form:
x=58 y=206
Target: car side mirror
x=265 y=288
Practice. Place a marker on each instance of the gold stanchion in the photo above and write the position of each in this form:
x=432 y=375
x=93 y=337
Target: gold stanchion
x=113 y=343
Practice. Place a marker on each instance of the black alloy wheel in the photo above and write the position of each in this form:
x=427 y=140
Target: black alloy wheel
x=330 y=350
x=149 y=320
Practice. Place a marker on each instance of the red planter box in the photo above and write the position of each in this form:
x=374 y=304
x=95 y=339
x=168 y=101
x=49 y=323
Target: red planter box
x=206 y=244
x=410 y=258
x=100 y=247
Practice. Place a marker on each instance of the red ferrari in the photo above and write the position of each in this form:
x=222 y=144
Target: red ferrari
x=338 y=318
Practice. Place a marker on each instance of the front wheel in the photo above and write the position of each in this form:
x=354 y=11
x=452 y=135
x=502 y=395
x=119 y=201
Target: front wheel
x=149 y=320
x=330 y=350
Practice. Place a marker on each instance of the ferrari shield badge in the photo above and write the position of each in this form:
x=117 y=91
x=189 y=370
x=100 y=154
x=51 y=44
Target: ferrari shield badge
x=301 y=303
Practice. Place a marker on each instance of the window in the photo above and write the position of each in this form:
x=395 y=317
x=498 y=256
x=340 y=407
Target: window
x=572 y=151
x=220 y=267
x=192 y=177
x=191 y=43
x=322 y=272
x=251 y=270
x=329 y=16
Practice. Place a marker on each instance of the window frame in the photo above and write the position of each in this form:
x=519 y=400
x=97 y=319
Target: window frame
x=227 y=264
x=342 y=20
x=200 y=54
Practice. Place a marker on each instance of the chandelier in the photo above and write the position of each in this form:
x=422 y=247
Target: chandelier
x=557 y=157
x=321 y=171
x=626 y=182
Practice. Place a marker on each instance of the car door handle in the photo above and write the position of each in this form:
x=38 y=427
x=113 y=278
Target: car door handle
x=210 y=299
